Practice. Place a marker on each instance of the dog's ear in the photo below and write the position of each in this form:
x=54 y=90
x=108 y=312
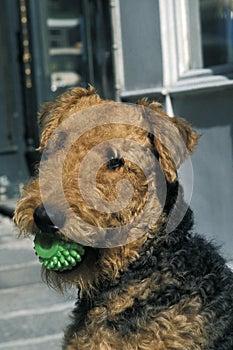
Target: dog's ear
x=174 y=140
x=189 y=136
x=177 y=147
x=53 y=113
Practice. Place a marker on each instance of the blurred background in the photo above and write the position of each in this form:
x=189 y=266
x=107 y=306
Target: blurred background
x=178 y=52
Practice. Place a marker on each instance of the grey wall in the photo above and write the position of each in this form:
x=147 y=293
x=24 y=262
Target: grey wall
x=212 y=200
x=141 y=43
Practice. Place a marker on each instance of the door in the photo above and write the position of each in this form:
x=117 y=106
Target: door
x=13 y=167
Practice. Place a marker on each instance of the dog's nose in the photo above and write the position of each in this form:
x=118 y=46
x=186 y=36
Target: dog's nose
x=49 y=219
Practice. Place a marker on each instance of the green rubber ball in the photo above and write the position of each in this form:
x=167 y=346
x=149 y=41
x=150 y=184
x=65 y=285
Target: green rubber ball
x=57 y=254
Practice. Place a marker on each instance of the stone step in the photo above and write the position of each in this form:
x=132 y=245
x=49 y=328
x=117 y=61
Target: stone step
x=9 y=232
x=51 y=342
x=16 y=253
x=33 y=323
x=33 y=317
x=14 y=300
x=18 y=263
x=19 y=274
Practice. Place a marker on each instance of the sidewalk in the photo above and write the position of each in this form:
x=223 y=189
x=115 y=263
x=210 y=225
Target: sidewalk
x=32 y=316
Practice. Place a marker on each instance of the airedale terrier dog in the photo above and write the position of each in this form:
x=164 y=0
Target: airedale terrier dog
x=107 y=211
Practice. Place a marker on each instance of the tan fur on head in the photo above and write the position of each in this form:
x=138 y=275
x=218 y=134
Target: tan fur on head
x=179 y=144
x=54 y=113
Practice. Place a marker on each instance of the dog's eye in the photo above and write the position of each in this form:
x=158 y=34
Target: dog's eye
x=115 y=163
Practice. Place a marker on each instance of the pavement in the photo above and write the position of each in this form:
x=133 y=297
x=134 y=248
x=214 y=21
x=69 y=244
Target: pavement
x=32 y=316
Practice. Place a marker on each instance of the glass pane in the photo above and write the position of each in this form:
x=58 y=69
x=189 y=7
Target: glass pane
x=217 y=31
x=66 y=44
x=99 y=29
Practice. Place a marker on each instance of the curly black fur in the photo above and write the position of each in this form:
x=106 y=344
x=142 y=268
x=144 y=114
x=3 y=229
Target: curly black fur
x=196 y=269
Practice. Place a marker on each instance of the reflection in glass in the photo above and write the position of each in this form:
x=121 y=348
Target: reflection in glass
x=80 y=45
x=66 y=44
x=217 y=31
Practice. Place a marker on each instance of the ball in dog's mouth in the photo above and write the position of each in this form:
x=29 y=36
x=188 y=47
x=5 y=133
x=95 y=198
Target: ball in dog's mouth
x=56 y=254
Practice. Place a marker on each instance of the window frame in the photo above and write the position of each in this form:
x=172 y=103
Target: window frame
x=182 y=50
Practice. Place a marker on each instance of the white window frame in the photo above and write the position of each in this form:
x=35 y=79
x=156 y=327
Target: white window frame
x=117 y=48
x=182 y=51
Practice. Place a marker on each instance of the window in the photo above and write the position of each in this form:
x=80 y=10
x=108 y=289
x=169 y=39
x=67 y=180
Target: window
x=217 y=31
x=197 y=44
